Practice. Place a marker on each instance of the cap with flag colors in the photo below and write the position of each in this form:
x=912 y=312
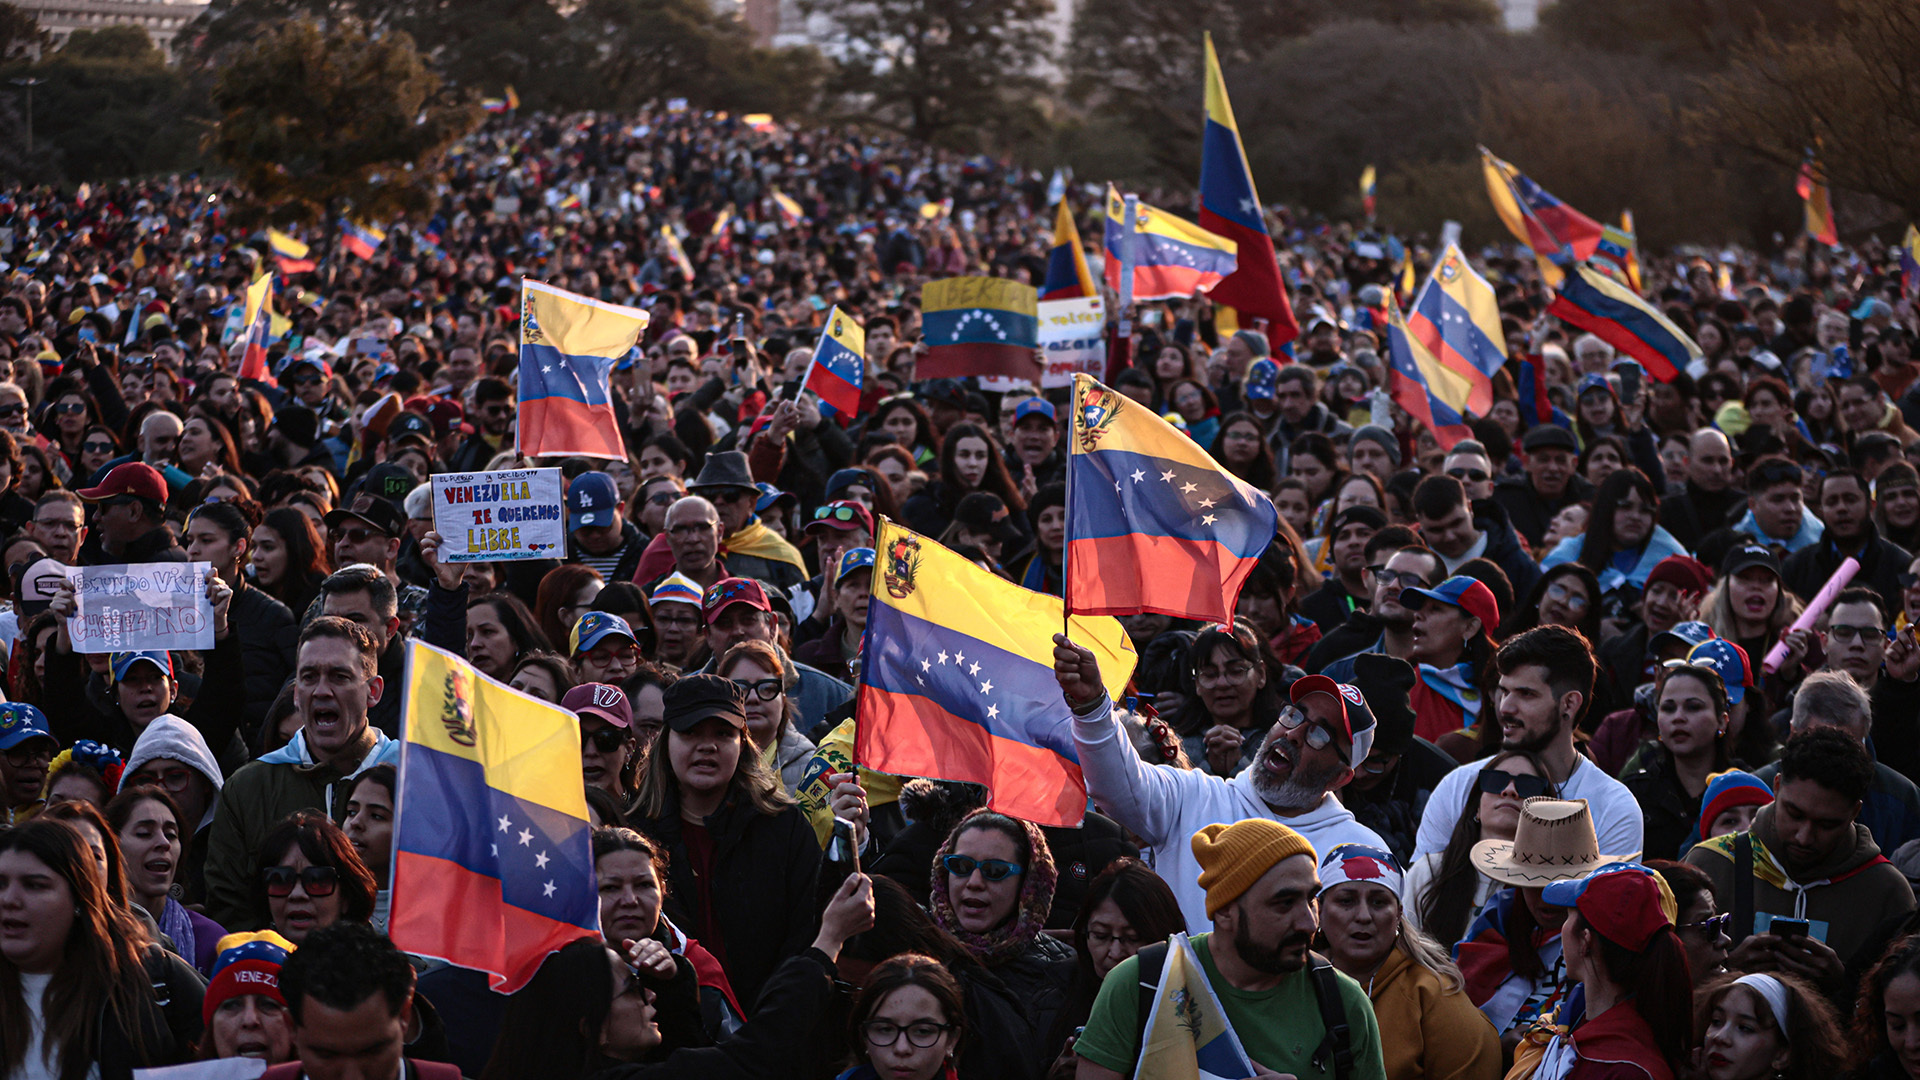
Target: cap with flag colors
x=839 y=365
x=1556 y=232
x=957 y=681
x=1172 y=258
x=677 y=588
x=1812 y=188
x=291 y=254
x=257 y=326
x=1428 y=390
x=1067 y=275
x=790 y=212
x=1153 y=522
x=492 y=865
x=568 y=346
x=1230 y=207
x=1617 y=315
x=1458 y=319
x=1188 y=1035
x=979 y=326
x=362 y=240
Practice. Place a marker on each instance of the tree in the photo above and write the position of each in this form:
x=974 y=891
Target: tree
x=317 y=121
x=107 y=106
x=1852 y=89
x=1697 y=34
x=957 y=72
x=20 y=35
x=634 y=51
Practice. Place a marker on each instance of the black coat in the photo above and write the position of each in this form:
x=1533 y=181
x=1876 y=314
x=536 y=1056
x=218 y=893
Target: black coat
x=1529 y=513
x=1691 y=513
x=1503 y=546
x=267 y=635
x=1668 y=812
x=169 y=1024
x=1881 y=563
x=764 y=875
x=783 y=1026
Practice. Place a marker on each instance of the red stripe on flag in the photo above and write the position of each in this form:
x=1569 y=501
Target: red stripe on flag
x=967 y=358
x=1118 y=575
x=558 y=425
x=1254 y=288
x=909 y=735
x=453 y=914
x=834 y=390
x=1178 y=281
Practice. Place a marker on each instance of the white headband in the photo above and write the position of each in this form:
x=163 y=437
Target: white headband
x=1774 y=993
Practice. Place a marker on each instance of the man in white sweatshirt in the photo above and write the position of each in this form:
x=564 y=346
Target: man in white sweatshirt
x=1308 y=754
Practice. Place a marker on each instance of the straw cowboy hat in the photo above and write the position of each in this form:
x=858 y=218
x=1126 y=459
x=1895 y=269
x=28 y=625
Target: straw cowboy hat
x=1555 y=842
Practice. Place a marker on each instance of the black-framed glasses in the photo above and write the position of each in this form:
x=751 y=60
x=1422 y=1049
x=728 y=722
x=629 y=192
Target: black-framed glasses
x=1525 y=785
x=316 y=880
x=764 y=689
x=1397 y=579
x=963 y=866
x=920 y=1033
x=35 y=750
x=835 y=513
x=1473 y=476
x=1710 y=928
x=1843 y=633
x=307 y=380
x=175 y=779
x=608 y=739
x=1318 y=736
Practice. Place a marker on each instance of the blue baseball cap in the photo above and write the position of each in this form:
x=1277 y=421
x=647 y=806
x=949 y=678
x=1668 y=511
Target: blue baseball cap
x=1594 y=382
x=1031 y=406
x=592 y=499
x=769 y=495
x=595 y=627
x=1730 y=662
x=1263 y=380
x=853 y=559
x=122 y=662
x=1692 y=633
x=19 y=722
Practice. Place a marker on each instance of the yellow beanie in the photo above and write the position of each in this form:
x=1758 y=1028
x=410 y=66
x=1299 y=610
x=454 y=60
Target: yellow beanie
x=1233 y=857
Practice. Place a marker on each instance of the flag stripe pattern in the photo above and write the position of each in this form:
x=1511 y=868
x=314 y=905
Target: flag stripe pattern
x=979 y=326
x=258 y=327
x=362 y=240
x=1457 y=318
x=839 y=365
x=1556 y=232
x=1618 y=316
x=1230 y=206
x=1428 y=390
x=1067 y=275
x=1172 y=258
x=568 y=346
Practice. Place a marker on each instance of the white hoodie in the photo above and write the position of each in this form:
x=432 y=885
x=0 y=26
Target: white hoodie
x=1166 y=806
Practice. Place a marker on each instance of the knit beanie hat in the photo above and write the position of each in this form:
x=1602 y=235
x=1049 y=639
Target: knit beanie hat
x=1233 y=857
x=1683 y=572
x=245 y=964
x=1728 y=790
x=1378 y=434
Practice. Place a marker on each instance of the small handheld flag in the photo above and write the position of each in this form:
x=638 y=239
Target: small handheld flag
x=1230 y=207
x=1188 y=1035
x=676 y=252
x=1172 y=258
x=1457 y=318
x=839 y=365
x=1812 y=187
x=790 y=212
x=362 y=240
x=291 y=254
x=568 y=346
x=979 y=326
x=1367 y=187
x=1428 y=390
x=258 y=325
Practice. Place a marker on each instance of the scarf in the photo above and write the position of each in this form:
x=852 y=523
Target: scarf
x=1445 y=700
x=173 y=922
x=1035 y=902
x=1810 y=531
x=757 y=541
x=1628 y=568
x=1768 y=868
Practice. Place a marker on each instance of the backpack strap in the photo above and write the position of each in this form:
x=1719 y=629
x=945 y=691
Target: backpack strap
x=1742 y=887
x=1153 y=961
x=1338 y=1045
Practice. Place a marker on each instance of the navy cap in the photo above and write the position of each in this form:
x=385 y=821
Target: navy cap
x=19 y=722
x=592 y=500
x=1033 y=406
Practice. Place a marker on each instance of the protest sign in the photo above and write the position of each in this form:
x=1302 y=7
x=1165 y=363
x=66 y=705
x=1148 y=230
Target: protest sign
x=1071 y=336
x=139 y=607
x=499 y=516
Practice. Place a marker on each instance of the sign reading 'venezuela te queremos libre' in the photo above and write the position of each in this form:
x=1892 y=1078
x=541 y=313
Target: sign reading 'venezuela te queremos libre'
x=497 y=516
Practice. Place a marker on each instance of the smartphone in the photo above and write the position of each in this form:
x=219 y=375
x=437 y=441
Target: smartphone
x=1788 y=927
x=1629 y=382
x=845 y=850
x=738 y=343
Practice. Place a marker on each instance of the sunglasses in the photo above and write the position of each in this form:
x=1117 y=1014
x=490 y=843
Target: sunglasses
x=1908 y=581
x=1397 y=579
x=764 y=689
x=1710 y=928
x=1319 y=736
x=96 y=448
x=608 y=739
x=1475 y=476
x=1525 y=785
x=963 y=866
x=351 y=534
x=307 y=380
x=69 y=408
x=835 y=513
x=316 y=880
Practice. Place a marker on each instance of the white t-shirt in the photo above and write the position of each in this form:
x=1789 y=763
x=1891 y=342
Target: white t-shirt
x=1617 y=820
x=33 y=989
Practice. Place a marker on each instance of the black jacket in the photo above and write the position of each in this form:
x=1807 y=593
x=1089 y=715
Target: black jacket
x=212 y=701
x=1529 y=513
x=1668 y=812
x=1503 y=544
x=1691 y=513
x=1393 y=809
x=169 y=1024
x=1881 y=563
x=764 y=874
x=784 y=1023
x=158 y=545
x=633 y=544
x=267 y=635
x=1330 y=605
x=1360 y=633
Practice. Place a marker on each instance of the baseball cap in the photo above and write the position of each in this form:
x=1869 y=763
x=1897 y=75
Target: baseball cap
x=1594 y=382
x=1550 y=437
x=1369 y=516
x=851 y=560
x=1356 y=719
x=595 y=627
x=846 y=515
x=1263 y=380
x=675 y=588
x=1691 y=633
x=607 y=702
x=945 y=392
x=372 y=509
x=19 y=722
x=410 y=426
x=1033 y=406
x=1747 y=557
x=132 y=478
x=1462 y=592
x=1621 y=902
x=591 y=500
x=122 y=662
x=1730 y=662
x=984 y=512
x=693 y=698
x=734 y=590
x=842 y=479
x=771 y=496
x=389 y=481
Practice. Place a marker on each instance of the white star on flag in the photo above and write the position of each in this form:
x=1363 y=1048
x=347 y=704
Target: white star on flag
x=1206 y=504
x=549 y=888
x=987 y=687
x=540 y=861
x=1208 y=520
x=1138 y=476
x=526 y=837
x=506 y=823
x=1167 y=476
x=1189 y=488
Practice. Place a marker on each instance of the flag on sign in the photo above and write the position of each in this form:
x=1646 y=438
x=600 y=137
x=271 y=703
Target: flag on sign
x=291 y=254
x=839 y=365
x=1172 y=258
x=1618 y=316
x=1367 y=188
x=492 y=862
x=362 y=240
x=1458 y=319
x=979 y=326
x=1812 y=187
x=1230 y=207
x=568 y=346
x=1556 y=232
x=1188 y=1036
x=1153 y=522
x=1067 y=275
x=257 y=327
x=1428 y=390
x=956 y=680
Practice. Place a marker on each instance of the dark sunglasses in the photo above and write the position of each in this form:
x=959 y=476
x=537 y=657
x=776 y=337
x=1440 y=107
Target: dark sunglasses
x=70 y=408
x=1476 y=476
x=96 y=448
x=307 y=380
x=1495 y=781
x=836 y=513
x=316 y=880
x=664 y=498
x=608 y=739
x=963 y=866
x=1710 y=928
x=353 y=534
x=764 y=689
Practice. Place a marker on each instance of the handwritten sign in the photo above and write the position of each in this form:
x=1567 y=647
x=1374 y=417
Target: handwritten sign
x=499 y=516
x=1071 y=335
x=140 y=606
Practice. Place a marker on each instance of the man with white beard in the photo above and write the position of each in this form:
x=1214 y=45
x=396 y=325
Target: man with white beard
x=1310 y=752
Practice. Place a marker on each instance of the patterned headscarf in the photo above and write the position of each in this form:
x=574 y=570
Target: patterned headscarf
x=1030 y=911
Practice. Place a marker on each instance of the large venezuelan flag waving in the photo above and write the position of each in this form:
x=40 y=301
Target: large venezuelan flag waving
x=1556 y=232
x=1428 y=390
x=1172 y=258
x=1153 y=522
x=492 y=865
x=1458 y=319
x=957 y=680
x=1230 y=207
x=1622 y=318
x=568 y=346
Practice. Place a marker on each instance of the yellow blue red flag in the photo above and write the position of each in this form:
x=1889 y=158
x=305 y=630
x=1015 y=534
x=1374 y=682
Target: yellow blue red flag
x=1188 y=1035
x=1367 y=188
x=1153 y=522
x=1172 y=258
x=676 y=252
x=568 y=346
x=790 y=211
x=492 y=865
x=1812 y=187
x=1910 y=262
x=1230 y=207
x=290 y=253
x=362 y=240
x=1067 y=275
x=257 y=326
x=1428 y=390
x=1557 y=233
x=1620 y=317
x=1457 y=318
x=956 y=680
x=979 y=326
x=839 y=365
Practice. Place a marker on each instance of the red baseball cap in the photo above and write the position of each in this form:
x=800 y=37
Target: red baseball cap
x=1621 y=902
x=133 y=478
x=730 y=591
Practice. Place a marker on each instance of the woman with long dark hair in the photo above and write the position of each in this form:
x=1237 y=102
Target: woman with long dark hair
x=1624 y=541
x=909 y=1020
x=1315 y=461
x=1237 y=699
x=310 y=877
x=205 y=440
x=1127 y=907
x=369 y=828
x=1886 y=1022
x=970 y=461
x=1453 y=625
x=1669 y=775
x=153 y=846
x=221 y=533
x=1567 y=595
x=1196 y=406
x=288 y=560
x=1443 y=890
x=566 y=592
x=500 y=631
x=1242 y=447
x=1621 y=947
x=911 y=428
x=695 y=1003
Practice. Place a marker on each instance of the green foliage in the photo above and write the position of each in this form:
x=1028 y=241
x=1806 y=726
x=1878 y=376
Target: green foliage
x=1692 y=33
x=107 y=107
x=318 y=121
x=636 y=51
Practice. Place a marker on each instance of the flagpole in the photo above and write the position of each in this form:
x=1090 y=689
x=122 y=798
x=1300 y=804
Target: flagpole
x=1066 y=544
x=1125 y=299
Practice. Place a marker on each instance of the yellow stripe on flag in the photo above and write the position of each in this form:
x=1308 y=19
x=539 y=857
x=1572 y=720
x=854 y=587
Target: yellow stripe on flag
x=530 y=749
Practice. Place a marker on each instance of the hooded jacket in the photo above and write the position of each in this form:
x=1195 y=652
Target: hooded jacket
x=171 y=738
x=1504 y=547
x=1853 y=891
x=1427 y=1031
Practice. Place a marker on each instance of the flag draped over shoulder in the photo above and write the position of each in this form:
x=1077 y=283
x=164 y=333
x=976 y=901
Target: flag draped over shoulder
x=1230 y=207
x=956 y=680
x=1619 y=316
x=1188 y=1036
x=492 y=865
x=256 y=329
x=1172 y=258
x=1458 y=319
x=568 y=346
x=1556 y=232
x=1067 y=275
x=1428 y=390
x=1153 y=522
x=979 y=326
x=839 y=365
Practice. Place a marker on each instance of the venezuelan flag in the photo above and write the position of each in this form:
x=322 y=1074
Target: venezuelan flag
x=1172 y=258
x=1618 y=316
x=513 y=99
x=1812 y=187
x=492 y=865
x=676 y=252
x=839 y=365
x=291 y=254
x=1409 y=280
x=790 y=211
x=1229 y=206
x=1615 y=256
x=1428 y=390
x=1368 y=185
x=1910 y=262
x=957 y=680
x=1067 y=275
x=1188 y=1035
x=1457 y=318
x=258 y=324
x=568 y=346
x=362 y=240
x=1556 y=232
x=1153 y=522
x=979 y=326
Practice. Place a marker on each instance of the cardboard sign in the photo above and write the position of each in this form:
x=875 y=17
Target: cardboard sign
x=140 y=606
x=499 y=516
x=1071 y=334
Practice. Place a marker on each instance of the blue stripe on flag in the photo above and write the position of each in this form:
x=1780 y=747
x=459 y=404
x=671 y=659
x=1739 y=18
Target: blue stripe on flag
x=546 y=372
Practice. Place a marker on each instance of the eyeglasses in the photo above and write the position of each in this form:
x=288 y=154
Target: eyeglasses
x=1576 y=601
x=1397 y=579
x=352 y=534
x=1525 y=785
x=91 y=447
x=1473 y=476
x=1319 y=736
x=1843 y=633
x=608 y=739
x=1233 y=672
x=316 y=880
x=175 y=779
x=1710 y=928
x=39 y=751
x=835 y=513
x=1099 y=938
x=764 y=689
x=963 y=866
x=923 y=1033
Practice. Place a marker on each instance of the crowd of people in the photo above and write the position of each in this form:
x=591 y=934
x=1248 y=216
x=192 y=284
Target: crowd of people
x=1518 y=754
